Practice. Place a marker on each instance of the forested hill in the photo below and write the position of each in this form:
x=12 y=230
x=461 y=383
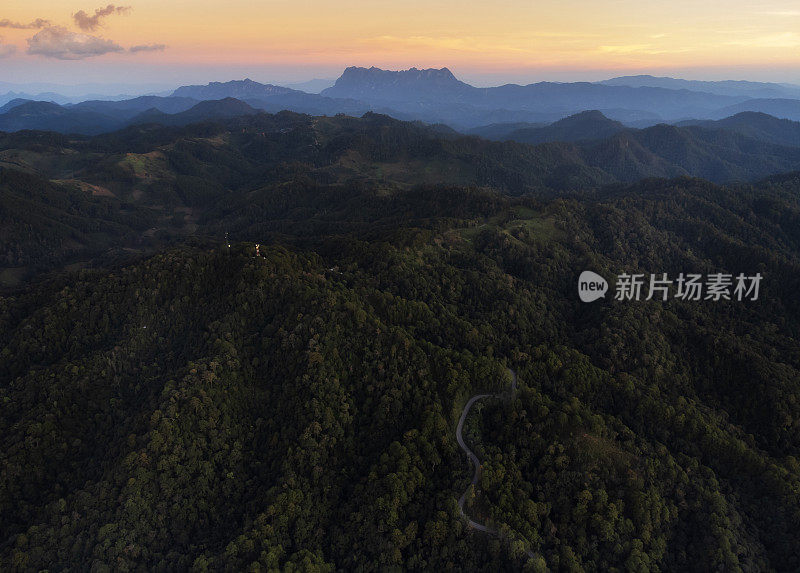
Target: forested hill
x=585 y=150
x=206 y=409
x=77 y=201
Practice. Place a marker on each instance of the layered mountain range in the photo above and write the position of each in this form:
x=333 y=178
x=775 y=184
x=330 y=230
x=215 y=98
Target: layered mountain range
x=432 y=96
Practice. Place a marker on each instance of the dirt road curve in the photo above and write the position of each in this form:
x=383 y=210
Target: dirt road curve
x=474 y=459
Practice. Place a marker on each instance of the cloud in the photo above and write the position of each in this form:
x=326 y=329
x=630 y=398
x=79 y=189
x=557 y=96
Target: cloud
x=147 y=48
x=86 y=22
x=35 y=25
x=6 y=49
x=59 y=43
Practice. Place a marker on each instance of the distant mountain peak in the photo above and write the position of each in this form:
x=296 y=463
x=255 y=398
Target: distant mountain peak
x=433 y=72
x=411 y=73
x=239 y=89
x=226 y=102
x=244 y=82
x=37 y=107
x=590 y=119
x=430 y=84
x=586 y=125
x=206 y=110
x=589 y=114
x=13 y=103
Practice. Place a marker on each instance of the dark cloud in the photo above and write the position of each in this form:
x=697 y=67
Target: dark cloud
x=58 y=42
x=86 y=22
x=35 y=25
x=147 y=48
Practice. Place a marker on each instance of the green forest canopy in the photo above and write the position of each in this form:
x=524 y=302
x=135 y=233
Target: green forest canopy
x=196 y=407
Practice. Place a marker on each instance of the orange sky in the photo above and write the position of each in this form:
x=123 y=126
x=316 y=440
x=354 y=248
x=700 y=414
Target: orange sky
x=480 y=37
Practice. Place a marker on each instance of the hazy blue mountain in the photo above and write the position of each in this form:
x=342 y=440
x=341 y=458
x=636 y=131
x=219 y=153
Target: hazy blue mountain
x=13 y=103
x=780 y=108
x=586 y=125
x=632 y=117
x=62 y=97
x=132 y=107
x=50 y=116
x=36 y=96
x=582 y=126
x=411 y=91
x=312 y=86
x=580 y=96
x=756 y=125
x=385 y=86
x=91 y=118
x=239 y=89
x=274 y=98
x=204 y=111
x=101 y=90
x=313 y=104
x=463 y=116
x=541 y=111
x=726 y=87
x=437 y=96
x=9 y=97
x=499 y=131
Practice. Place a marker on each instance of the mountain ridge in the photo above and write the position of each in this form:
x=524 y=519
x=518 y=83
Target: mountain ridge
x=438 y=96
x=740 y=87
x=239 y=89
x=393 y=86
x=586 y=125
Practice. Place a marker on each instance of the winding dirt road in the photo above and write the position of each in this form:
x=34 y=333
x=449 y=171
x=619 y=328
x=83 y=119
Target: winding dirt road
x=474 y=459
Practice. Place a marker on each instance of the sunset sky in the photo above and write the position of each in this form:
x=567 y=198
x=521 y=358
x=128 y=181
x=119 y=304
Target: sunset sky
x=172 y=42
